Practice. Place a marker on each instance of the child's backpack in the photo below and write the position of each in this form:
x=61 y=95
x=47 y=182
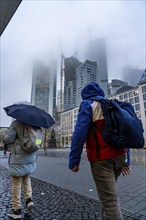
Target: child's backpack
x=123 y=128
x=31 y=139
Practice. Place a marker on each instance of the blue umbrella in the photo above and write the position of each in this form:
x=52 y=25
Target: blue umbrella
x=30 y=114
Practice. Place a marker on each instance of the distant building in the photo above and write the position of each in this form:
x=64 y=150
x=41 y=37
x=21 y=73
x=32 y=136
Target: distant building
x=131 y=75
x=97 y=52
x=115 y=85
x=123 y=89
x=70 y=65
x=68 y=121
x=43 y=94
x=85 y=73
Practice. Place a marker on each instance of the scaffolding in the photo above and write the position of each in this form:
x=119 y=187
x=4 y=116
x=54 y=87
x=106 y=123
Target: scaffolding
x=61 y=83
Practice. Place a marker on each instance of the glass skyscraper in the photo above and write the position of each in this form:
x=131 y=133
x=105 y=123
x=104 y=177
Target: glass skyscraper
x=85 y=73
x=70 y=65
x=43 y=94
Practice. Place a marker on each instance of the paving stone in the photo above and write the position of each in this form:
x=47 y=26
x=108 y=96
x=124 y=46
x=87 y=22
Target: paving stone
x=56 y=203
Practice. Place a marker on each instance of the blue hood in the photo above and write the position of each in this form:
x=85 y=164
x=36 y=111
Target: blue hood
x=90 y=90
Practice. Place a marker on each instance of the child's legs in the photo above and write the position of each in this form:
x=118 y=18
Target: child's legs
x=27 y=186
x=16 y=192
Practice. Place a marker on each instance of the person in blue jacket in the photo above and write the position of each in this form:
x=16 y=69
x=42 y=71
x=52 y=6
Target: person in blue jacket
x=106 y=162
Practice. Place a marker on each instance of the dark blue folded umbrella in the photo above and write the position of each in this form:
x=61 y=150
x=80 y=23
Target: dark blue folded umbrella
x=30 y=114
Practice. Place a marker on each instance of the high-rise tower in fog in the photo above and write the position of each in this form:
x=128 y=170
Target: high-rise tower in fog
x=97 y=52
x=43 y=94
x=85 y=73
x=70 y=65
x=131 y=75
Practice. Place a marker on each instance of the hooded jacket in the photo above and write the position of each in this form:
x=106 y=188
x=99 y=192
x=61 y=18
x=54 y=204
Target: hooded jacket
x=21 y=163
x=90 y=111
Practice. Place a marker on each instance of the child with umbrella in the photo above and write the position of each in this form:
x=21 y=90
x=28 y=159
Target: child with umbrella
x=21 y=162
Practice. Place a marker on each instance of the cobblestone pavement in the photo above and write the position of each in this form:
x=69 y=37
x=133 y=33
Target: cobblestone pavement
x=53 y=170
x=54 y=203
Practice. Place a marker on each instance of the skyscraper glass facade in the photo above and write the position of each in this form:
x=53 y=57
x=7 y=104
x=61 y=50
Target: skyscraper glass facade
x=85 y=73
x=43 y=93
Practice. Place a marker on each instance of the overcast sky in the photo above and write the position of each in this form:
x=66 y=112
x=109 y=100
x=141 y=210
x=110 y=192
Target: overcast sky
x=35 y=30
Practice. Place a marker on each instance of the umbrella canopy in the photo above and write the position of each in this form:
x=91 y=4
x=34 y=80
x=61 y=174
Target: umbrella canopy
x=30 y=114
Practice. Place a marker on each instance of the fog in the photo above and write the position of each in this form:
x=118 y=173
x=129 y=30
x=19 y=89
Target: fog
x=44 y=29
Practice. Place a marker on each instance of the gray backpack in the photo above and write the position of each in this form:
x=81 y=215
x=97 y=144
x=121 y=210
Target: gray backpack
x=31 y=139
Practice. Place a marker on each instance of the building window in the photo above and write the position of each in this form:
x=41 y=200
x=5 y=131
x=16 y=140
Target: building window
x=121 y=97
x=136 y=99
x=138 y=114
x=144 y=97
x=137 y=107
x=131 y=101
x=145 y=105
x=145 y=113
x=136 y=92
x=144 y=89
x=130 y=94
x=126 y=96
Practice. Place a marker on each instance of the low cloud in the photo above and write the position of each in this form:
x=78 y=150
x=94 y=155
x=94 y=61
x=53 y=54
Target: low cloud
x=38 y=27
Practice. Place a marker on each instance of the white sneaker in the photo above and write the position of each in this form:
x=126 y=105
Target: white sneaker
x=29 y=205
x=15 y=214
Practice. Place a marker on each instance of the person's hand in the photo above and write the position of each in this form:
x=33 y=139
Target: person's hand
x=126 y=170
x=75 y=168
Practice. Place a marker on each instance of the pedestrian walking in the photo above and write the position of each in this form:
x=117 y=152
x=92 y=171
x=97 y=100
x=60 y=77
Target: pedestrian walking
x=24 y=137
x=21 y=165
x=107 y=162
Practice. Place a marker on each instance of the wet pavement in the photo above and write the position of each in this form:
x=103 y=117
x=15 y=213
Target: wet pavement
x=60 y=194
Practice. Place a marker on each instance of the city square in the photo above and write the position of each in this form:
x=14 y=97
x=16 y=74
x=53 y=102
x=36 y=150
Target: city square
x=51 y=50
